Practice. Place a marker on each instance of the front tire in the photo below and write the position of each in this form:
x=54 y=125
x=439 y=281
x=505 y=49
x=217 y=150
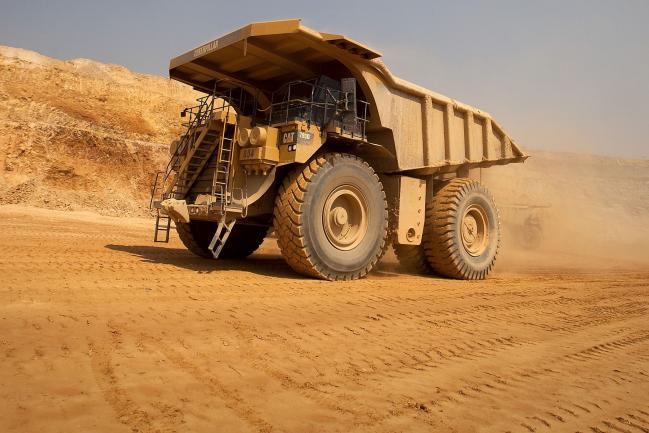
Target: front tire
x=331 y=218
x=462 y=230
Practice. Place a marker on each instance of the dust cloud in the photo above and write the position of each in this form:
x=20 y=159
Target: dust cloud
x=573 y=212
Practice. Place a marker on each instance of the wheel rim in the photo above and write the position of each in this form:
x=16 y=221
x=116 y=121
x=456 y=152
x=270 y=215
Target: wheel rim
x=475 y=230
x=344 y=217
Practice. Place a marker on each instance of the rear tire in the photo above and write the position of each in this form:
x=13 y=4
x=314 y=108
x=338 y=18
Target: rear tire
x=243 y=240
x=462 y=230
x=331 y=218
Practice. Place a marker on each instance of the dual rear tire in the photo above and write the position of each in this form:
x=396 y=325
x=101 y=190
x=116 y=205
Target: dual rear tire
x=461 y=233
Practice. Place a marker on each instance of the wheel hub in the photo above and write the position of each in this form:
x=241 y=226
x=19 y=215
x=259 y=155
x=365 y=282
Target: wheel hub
x=340 y=216
x=344 y=217
x=475 y=230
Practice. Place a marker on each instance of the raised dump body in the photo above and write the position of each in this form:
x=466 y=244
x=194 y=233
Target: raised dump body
x=309 y=133
x=425 y=131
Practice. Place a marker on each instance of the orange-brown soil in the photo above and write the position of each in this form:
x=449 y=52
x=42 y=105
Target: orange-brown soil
x=102 y=331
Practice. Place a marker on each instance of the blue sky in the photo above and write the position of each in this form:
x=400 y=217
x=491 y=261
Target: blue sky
x=564 y=75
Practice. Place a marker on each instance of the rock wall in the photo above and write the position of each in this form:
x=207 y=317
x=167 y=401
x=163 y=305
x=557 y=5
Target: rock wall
x=81 y=134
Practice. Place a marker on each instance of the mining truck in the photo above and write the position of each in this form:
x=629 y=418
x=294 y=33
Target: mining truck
x=309 y=135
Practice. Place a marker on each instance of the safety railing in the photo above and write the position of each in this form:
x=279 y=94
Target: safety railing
x=198 y=115
x=320 y=105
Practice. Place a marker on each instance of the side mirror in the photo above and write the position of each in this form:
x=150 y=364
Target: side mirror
x=183 y=113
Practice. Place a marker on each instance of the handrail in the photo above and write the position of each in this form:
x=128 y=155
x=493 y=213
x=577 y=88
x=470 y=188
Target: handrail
x=321 y=105
x=280 y=112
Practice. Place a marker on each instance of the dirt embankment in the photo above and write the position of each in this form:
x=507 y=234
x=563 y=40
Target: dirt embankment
x=81 y=134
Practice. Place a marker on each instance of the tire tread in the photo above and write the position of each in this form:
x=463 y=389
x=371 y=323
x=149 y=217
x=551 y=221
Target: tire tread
x=288 y=219
x=440 y=247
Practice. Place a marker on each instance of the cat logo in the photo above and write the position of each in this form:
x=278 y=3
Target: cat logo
x=288 y=137
x=296 y=137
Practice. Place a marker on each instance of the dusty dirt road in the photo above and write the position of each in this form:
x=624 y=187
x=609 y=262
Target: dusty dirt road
x=102 y=331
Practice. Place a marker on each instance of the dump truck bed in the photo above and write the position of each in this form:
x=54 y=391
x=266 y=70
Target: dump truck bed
x=425 y=131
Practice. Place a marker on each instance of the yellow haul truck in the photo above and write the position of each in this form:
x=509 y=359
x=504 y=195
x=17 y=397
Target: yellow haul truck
x=310 y=134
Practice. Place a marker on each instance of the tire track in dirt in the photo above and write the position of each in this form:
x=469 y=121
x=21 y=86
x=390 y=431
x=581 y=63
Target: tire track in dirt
x=522 y=384
x=469 y=353
x=471 y=349
x=611 y=417
x=329 y=392
x=155 y=413
x=193 y=343
x=337 y=403
x=231 y=398
x=128 y=412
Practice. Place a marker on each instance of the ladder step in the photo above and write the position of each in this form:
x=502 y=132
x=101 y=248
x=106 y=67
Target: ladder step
x=221 y=235
x=164 y=228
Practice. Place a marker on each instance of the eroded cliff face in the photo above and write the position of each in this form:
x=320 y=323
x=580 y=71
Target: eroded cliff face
x=81 y=134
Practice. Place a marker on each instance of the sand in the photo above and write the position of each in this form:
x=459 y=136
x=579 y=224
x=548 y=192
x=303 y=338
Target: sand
x=102 y=331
